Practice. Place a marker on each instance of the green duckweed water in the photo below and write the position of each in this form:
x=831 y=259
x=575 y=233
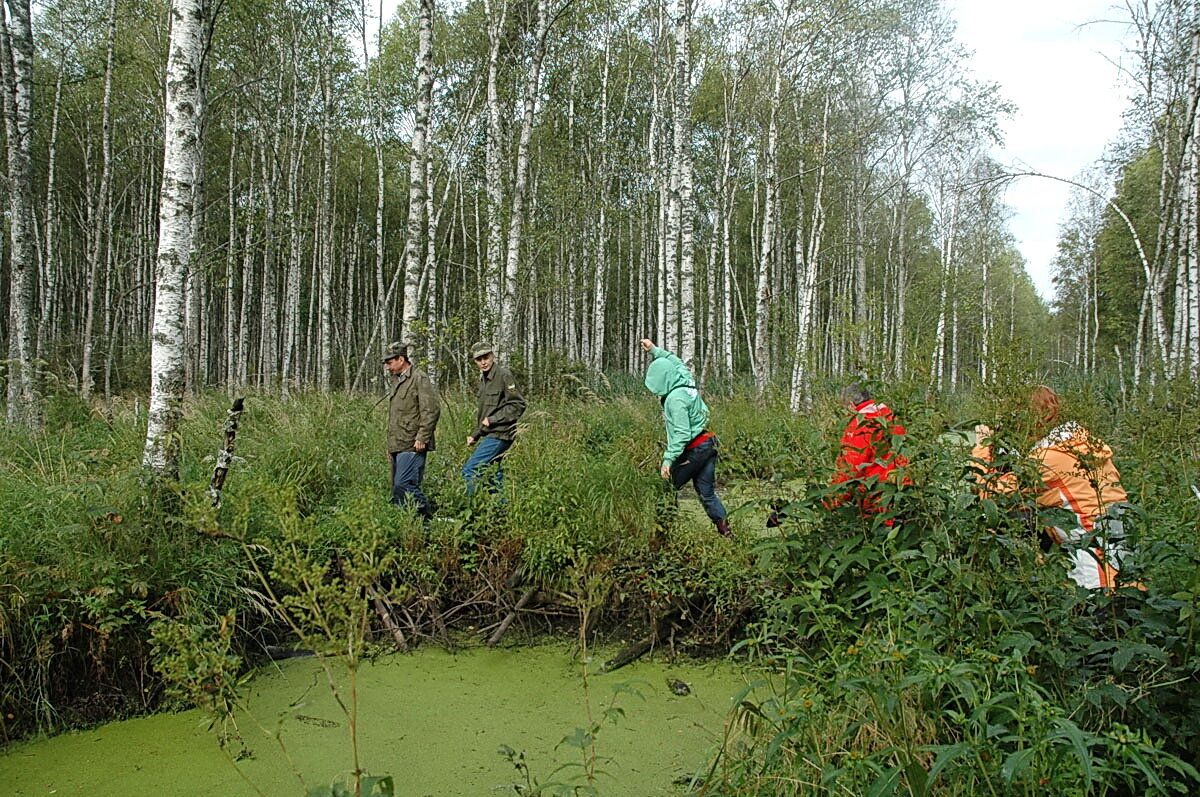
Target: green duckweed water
x=433 y=720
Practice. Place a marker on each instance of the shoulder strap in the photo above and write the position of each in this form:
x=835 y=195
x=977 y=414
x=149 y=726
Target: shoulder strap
x=672 y=390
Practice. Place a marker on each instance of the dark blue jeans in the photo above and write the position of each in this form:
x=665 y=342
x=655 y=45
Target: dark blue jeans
x=699 y=466
x=408 y=469
x=487 y=451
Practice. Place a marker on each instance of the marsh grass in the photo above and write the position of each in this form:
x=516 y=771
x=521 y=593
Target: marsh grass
x=941 y=655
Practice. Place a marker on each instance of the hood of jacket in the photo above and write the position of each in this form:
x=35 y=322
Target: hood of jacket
x=1074 y=439
x=667 y=373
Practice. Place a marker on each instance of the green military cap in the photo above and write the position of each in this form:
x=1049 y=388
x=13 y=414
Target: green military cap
x=480 y=349
x=395 y=349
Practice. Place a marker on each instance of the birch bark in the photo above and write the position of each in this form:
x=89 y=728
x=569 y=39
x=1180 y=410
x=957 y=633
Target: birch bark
x=325 y=225
x=516 y=220
x=182 y=115
x=51 y=258
x=99 y=206
x=493 y=277
x=16 y=55
x=418 y=223
x=686 y=300
x=762 y=365
x=807 y=263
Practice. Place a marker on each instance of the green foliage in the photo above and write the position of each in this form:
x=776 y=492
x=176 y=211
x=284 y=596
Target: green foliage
x=942 y=654
x=86 y=565
x=196 y=665
x=946 y=654
x=93 y=577
x=370 y=787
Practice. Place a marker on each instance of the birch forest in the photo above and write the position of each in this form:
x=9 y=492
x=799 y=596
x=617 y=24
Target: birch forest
x=781 y=192
x=945 y=531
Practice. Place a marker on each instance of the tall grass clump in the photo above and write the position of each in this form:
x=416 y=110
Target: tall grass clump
x=85 y=561
x=930 y=649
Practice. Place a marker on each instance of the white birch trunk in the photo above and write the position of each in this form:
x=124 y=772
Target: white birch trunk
x=899 y=350
x=183 y=108
x=949 y=220
x=51 y=260
x=241 y=372
x=762 y=365
x=16 y=50
x=268 y=344
x=661 y=176
x=99 y=207
x=600 y=250
x=1187 y=303
x=492 y=277
x=290 y=322
x=516 y=219
x=862 y=339
x=807 y=264
x=325 y=226
x=686 y=301
x=727 y=203
x=418 y=224
x=985 y=344
x=230 y=343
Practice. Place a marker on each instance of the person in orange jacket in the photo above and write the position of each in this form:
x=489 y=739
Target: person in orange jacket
x=867 y=457
x=1076 y=473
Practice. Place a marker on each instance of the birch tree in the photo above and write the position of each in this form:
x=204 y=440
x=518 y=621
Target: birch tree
x=16 y=61
x=493 y=275
x=682 y=179
x=418 y=221
x=516 y=218
x=181 y=158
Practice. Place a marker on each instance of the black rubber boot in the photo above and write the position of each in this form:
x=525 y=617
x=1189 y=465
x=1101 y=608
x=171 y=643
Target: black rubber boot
x=723 y=527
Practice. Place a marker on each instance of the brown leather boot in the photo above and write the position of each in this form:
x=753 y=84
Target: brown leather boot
x=723 y=527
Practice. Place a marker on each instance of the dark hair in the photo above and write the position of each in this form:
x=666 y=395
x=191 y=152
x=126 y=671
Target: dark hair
x=854 y=394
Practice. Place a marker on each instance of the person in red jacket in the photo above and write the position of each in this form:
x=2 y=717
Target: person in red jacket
x=867 y=457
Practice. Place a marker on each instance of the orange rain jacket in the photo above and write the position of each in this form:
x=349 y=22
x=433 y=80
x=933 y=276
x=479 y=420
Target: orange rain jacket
x=1078 y=474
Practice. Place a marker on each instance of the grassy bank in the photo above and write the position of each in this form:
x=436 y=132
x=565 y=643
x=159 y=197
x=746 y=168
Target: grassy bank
x=941 y=655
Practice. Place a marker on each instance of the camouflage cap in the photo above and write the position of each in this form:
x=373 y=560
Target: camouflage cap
x=393 y=350
x=480 y=349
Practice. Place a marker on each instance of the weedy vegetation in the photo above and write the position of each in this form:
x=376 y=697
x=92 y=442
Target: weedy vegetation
x=942 y=654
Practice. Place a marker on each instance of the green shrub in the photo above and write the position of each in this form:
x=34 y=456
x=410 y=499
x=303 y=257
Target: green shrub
x=942 y=654
x=947 y=654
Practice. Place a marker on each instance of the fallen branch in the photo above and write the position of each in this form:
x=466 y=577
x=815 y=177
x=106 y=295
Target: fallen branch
x=632 y=653
x=508 y=621
x=389 y=622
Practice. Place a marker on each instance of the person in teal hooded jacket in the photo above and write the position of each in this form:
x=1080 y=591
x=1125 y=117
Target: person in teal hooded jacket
x=691 y=453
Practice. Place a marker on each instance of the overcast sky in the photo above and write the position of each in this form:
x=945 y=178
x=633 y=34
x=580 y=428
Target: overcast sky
x=1056 y=61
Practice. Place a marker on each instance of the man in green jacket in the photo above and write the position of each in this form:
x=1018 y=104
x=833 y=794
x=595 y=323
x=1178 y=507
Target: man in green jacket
x=413 y=411
x=691 y=453
x=500 y=405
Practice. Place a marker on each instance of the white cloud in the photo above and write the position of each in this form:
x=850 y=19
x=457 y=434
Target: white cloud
x=1054 y=59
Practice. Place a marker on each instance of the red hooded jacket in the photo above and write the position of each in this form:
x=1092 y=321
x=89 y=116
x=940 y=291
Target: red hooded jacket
x=867 y=452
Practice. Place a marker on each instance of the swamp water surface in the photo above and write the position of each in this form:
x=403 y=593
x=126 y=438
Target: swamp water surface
x=433 y=720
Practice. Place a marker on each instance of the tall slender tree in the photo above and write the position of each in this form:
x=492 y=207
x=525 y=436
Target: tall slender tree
x=183 y=116
x=16 y=63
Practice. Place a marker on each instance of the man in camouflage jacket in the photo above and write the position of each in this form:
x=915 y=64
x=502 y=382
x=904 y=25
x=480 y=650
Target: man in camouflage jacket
x=413 y=411
x=500 y=405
